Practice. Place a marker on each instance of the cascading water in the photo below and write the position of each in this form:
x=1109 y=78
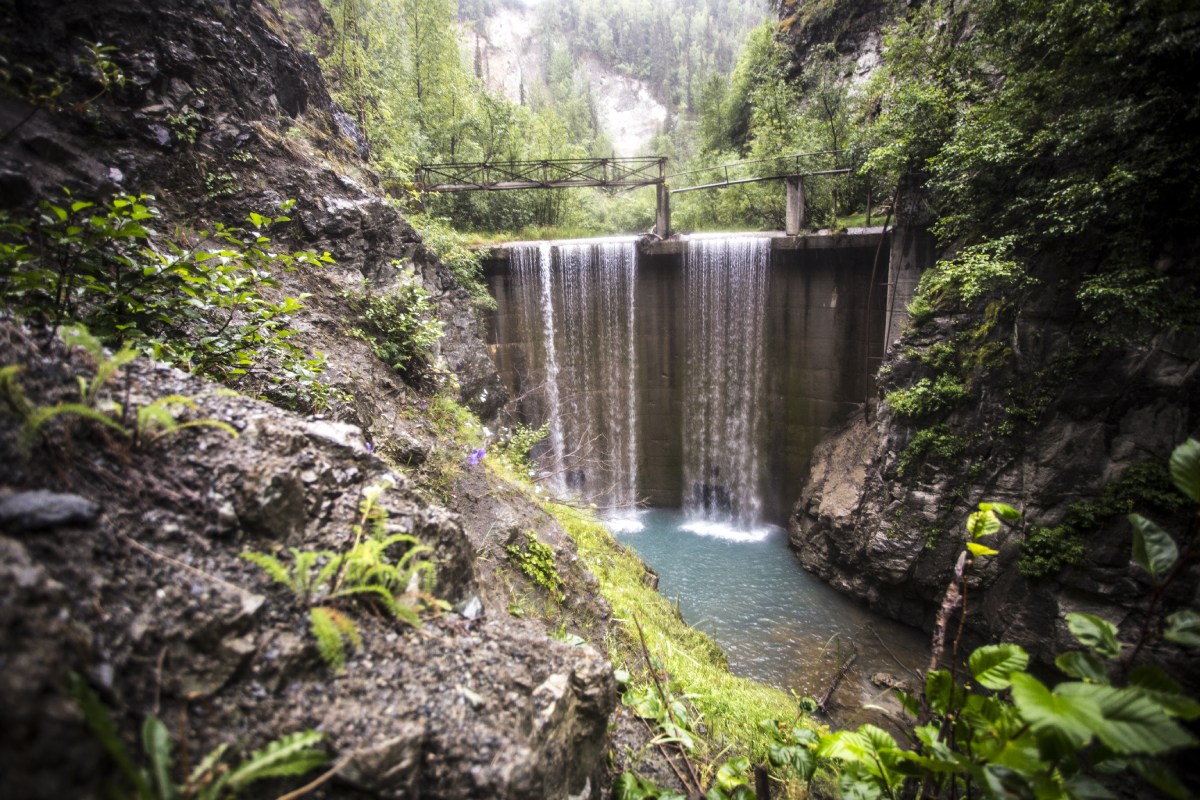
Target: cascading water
x=585 y=299
x=726 y=283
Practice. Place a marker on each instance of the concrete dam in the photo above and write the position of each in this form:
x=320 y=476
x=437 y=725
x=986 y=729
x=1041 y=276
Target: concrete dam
x=695 y=373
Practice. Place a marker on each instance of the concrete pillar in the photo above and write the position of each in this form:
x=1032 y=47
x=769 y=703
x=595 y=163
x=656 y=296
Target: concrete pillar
x=662 y=221
x=794 y=217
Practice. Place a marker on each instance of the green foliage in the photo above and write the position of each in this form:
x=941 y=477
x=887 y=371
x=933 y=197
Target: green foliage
x=536 y=560
x=1048 y=550
x=933 y=442
x=983 y=272
x=927 y=397
x=465 y=264
x=402 y=327
x=368 y=573
x=1048 y=130
x=521 y=442
x=202 y=305
x=151 y=421
x=1005 y=733
x=212 y=779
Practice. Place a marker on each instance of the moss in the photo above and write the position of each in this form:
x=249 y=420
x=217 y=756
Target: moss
x=1047 y=551
x=934 y=442
x=732 y=706
x=927 y=397
x=1145 y=486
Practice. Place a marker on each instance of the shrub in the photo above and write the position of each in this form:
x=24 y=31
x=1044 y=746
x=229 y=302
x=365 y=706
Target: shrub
x=199 y=302
x=927 y=397
x=402 y=327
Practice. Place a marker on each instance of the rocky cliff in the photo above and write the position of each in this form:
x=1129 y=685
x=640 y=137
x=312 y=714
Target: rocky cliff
x=122 y=550
x=1023 y=384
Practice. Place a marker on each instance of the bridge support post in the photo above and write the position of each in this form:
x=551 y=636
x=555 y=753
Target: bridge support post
x=793 y=219
x=662 y=220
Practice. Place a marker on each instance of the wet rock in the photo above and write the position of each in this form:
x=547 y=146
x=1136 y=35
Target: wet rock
x=43 y=510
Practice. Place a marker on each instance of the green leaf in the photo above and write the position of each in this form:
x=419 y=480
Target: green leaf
x=1002 y=510
x=1070 y=719
x=1153 y=548
x=292 y=754
x=1185 y=469
x=1159 y=775
x=982 y=523
x=732 y=774
x=1154 y=683
x=1095 y=633
x=993 y=664
x=1183 y=627
x=645 y=702
x=101 y=724
x=156 y=743
x=1084 y=665
x=978 y=550
x=1131 y=722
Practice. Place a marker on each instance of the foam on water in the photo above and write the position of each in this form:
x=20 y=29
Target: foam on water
x=728 y=531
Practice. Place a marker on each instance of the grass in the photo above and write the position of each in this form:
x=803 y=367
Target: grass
x=732 y=706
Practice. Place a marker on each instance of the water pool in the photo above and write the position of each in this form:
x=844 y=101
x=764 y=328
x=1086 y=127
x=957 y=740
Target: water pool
x=777 y=623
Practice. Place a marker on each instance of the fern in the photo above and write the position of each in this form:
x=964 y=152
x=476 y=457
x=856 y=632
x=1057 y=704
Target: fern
x=272 y=566
x=106 y=366
x=288 y=755
x=328 y=627
x=293 y=754
x=43 y=414
x=11 y=392
x=363 y=574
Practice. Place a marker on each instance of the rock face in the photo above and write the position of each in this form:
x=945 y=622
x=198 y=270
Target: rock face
x=134 y=580
x=120 y=561
x=889 y=532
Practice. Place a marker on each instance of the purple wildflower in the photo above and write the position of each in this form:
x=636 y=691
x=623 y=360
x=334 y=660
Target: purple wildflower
x=476 y=454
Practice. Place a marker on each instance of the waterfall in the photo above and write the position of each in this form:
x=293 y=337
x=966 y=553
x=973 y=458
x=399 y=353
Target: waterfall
x=585 y=299
x=726 y=285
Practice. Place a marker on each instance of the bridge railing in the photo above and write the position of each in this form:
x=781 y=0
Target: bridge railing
x=542 y=174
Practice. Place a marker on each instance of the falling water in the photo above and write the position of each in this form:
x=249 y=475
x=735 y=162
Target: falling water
x=585 y=298
x=726 y=283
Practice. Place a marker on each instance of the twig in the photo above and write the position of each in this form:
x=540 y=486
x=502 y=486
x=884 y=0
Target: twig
x=654 y=740
x=895 y=658
x=176 y=562
x=322 y=778
x=666 y=703
x=837 y=679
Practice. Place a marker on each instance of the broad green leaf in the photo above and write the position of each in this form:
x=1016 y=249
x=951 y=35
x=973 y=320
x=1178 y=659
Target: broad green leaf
x=732 y=774
x=1153 y=548
x=1084 y=665
x=1159 y=775
x=1002 y=510
x=1155 y=684
x=1004 y=782
x=1183 y=627
x=982 y=523
x=1131 y=723
x=978 y=550
x=1185 y=469
x=645 y=702
x=1095 y=633
x=1084 y=787
x=993 y=664
x=156 y=743
x=1072 y=719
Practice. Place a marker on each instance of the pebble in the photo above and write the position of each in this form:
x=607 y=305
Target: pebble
x=42 y=510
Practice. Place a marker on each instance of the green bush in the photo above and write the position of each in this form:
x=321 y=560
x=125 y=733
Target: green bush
x=199 y=301
x=402 y=327
x=1047 y=551
x=536 y=560
x=937 y=442
x=927 y=397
